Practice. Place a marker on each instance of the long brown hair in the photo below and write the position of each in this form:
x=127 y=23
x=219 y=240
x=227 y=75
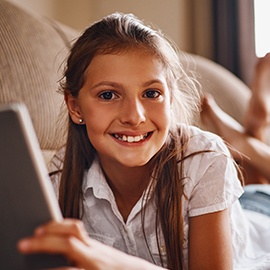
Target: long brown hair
x=115 y=34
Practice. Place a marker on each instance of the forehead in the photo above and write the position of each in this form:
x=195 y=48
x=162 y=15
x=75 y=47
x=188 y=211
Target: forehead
x=131 y=61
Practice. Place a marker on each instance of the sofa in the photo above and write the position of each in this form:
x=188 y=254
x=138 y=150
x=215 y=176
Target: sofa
x=33 y=49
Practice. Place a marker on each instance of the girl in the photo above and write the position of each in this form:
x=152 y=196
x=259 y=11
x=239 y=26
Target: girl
x=158 y=191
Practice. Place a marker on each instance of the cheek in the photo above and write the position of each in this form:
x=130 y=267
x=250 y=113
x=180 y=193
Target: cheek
x=95 y=127
x=95 y=135
x=94 y=116
x=95 y=124
x=165 y=114
x=161 y=117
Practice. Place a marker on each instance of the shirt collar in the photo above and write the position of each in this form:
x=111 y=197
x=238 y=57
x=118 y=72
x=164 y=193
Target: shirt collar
x=94 y=179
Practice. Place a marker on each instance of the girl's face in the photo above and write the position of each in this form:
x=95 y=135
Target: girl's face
x=125 y=105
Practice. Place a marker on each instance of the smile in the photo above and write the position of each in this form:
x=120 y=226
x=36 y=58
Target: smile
x=131 y=139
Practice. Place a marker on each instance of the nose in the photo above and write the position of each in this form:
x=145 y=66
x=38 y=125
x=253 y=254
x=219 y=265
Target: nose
x=132 y=112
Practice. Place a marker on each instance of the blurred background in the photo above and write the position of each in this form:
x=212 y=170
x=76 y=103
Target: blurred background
x=230 y=32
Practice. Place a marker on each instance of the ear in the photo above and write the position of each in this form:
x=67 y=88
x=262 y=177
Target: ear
x=74 y=109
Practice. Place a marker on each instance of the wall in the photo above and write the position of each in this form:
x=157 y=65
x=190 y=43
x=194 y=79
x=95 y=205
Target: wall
x=169 y=15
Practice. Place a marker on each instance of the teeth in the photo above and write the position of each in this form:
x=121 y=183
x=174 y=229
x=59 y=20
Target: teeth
x=130 y=139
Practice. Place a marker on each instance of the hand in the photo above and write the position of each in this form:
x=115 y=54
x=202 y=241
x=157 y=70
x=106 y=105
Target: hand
x=70 y=239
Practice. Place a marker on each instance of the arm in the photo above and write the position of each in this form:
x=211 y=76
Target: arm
x=70 y=239
x=210 y=245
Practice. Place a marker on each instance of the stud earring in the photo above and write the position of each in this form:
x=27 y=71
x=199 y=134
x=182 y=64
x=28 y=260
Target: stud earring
x=80 y=120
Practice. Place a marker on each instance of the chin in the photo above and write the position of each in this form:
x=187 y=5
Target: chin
x=135 y=163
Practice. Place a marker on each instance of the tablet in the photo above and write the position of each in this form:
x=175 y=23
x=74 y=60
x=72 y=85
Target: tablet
x=27 y=198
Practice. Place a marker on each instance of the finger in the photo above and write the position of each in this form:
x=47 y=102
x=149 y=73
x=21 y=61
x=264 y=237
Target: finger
x=69 y=227
x=48 y=244
x=69 y=246
x=67 y=268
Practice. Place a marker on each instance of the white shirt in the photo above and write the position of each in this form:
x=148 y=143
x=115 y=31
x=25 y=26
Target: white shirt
x=212 y=185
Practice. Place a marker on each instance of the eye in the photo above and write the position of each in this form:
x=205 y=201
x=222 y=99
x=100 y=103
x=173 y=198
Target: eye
x=108 y=95
x=152 y=94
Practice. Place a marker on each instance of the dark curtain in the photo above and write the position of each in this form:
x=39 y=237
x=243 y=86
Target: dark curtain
x=233 y=31
x=226 y=33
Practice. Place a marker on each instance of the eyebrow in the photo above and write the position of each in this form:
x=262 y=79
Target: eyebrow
x=115 y=84
x=152 y=82
x=108 y=83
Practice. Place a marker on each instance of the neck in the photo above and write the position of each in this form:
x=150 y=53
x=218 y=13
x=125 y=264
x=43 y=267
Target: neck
x=127 y=184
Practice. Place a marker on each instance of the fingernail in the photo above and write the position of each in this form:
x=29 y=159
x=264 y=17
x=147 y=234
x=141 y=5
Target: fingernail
x=23 y=245
x=39 y=231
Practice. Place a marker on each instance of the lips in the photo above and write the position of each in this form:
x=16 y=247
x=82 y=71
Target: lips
x=131 y=139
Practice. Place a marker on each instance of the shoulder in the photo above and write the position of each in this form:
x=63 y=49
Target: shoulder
x=200 y=140
x=205 y=153
x=211 y=181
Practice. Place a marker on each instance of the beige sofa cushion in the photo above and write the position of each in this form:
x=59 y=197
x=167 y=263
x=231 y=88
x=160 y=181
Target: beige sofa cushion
x=231 y=93
x=32 y=49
